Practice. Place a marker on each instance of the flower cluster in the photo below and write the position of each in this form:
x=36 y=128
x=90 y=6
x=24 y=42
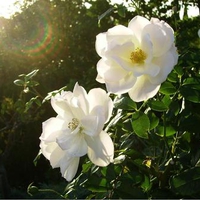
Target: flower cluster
x=78 y=130
x=136 y=59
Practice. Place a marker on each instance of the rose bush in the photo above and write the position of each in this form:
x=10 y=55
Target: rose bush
x=136 y=59
x=78 y=130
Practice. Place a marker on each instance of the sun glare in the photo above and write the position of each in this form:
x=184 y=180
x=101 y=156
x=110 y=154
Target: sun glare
x=10 y=7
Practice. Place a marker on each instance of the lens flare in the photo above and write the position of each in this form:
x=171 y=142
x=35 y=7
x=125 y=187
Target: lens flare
x=42 y=42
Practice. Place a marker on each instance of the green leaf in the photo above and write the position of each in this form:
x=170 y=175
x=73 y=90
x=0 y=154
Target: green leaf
x=19 y=82
x=169 y=131
x=190 y=93
x=191 y=89
x=157 y=105
x=187 y=182
x=121 y=10
x=140 y=124
x=173 y=77
x=175 y=107
x=167 y=88
x=32 y=83
x=96 y=184
x=179 y=70
x=53 y=93
x=154 y=121
x=38 y=102
x=146 y=185
x=127 y=191
x=193 y=82
x=86 y=167
x=167 y=100
x=31 y=74
x=125 y=103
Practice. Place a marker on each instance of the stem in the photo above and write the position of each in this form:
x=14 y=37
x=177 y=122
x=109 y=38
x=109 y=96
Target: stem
x=37 y=93
x=53 y=191
x=143 y=104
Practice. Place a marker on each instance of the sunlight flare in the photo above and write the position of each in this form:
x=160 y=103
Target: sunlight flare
x=9 y=7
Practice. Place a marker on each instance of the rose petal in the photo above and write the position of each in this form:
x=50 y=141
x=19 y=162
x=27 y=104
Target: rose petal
x=61 y=106
x=119 y=85
x=47 y=148
x=74 y=143
x=118 y=35
x=103 y=104
x=110 y=70
x=52 y=128
x=56 y=156
x=100 y=149
x=162 y=38
x=82 y=101
x=137 y=24
x=143 y=89
x=69 y=167
x=90 y=124
x=166 y=64
x=100 y=44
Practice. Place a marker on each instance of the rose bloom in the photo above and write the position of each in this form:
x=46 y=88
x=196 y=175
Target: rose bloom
x=78 y=130
x=136 y=59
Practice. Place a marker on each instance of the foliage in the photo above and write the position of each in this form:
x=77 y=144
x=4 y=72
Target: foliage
x=156 y=142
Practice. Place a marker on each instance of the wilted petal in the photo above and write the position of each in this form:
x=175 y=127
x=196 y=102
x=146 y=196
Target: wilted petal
x=143 y=89
x=69 y=167
x=100 y=149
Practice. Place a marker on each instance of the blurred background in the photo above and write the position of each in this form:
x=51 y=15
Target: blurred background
x=57 y=37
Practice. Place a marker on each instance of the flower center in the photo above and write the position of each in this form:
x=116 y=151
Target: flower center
x=138 y=56
x=73 y=124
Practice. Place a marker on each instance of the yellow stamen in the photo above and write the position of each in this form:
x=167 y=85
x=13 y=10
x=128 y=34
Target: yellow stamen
x=73 y=124
x=138 y=56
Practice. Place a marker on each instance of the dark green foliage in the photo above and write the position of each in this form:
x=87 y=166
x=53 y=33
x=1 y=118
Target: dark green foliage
x=158 y=140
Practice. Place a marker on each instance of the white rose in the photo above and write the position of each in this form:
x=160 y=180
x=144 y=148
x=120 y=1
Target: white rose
x=136 y=59
x=78 y=129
